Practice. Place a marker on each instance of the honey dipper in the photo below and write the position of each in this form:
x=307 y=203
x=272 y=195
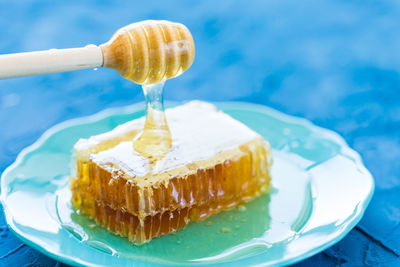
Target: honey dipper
x=144 y=52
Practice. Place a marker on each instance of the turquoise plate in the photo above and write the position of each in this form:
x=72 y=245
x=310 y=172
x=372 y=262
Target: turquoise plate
x=320 y=191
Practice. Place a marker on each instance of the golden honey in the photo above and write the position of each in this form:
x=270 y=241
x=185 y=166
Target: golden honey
x=155 y=139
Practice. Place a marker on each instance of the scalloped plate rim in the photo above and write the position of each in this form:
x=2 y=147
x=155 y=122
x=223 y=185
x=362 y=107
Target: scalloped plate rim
x=71 y=260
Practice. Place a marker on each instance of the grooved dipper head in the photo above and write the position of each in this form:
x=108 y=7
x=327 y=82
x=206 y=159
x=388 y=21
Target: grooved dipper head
x=150 y=51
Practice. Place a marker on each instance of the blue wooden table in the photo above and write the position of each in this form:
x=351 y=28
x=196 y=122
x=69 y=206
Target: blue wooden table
x=336 y=63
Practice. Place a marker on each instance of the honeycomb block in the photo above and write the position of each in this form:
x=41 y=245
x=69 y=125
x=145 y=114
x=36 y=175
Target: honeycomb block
x=189 y=185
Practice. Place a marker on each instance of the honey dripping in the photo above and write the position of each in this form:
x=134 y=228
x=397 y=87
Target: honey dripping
x=159 y=50
x=155 y=140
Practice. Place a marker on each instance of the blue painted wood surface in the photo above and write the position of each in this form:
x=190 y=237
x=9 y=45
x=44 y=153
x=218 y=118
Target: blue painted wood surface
x=336 y=63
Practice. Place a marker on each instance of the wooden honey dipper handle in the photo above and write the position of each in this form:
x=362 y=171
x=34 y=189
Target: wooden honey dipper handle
x=145 y=52
x=50 y=61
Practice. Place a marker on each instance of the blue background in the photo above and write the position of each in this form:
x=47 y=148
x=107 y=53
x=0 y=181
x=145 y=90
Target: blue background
x=336 y=63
